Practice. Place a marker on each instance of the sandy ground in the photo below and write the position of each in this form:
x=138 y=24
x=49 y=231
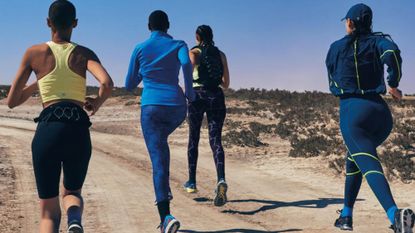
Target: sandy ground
x=267 y=193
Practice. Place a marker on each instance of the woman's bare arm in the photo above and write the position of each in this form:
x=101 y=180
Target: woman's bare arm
x=19 y=92
x=193 y=55
x=225 y=78
x=95 y=67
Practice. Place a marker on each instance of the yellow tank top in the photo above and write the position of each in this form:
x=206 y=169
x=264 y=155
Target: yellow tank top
x=62 y=82
x=196 y=72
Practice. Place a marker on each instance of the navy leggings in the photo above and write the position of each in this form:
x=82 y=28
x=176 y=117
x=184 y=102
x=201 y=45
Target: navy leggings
x=211 y=102
x=365 y=122
x=157 y=123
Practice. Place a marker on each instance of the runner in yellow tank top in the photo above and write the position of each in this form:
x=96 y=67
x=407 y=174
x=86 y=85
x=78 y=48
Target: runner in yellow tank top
x=62 y=140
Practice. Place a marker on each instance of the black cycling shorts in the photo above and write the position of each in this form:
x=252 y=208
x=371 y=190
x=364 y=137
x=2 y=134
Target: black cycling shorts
x=62 y=140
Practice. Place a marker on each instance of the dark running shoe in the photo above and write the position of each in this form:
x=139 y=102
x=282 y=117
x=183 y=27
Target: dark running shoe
x=344 y=223
x=404 y=221
x=190 y=187
x=170 y=225
x=221 y=189
x=75 y=228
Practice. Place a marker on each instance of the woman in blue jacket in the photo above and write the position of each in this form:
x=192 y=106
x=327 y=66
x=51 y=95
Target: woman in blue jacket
x=157 y=62
x=355 y=67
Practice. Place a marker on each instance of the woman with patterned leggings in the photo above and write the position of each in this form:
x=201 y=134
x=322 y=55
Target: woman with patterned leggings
x=210 y=73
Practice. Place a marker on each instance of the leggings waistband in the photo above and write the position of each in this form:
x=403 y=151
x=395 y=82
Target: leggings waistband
x=64 y=112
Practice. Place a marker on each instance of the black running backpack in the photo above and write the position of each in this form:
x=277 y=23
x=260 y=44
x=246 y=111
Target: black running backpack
x=210 y=67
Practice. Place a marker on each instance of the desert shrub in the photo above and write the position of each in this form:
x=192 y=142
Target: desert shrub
x=233 y=110
x=233 y=124
x=3 y=91
x=258 y=128
x=338 y=164
x=308 y=147
x=247 y=136
x=398 y=165
x=284 y=131
x=243 y=138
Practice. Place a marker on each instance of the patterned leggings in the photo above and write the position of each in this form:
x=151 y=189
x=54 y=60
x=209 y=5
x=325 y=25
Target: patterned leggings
x=213 y=103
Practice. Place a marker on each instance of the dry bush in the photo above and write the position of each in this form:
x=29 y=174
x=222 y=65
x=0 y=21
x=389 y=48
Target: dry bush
x=243 y=138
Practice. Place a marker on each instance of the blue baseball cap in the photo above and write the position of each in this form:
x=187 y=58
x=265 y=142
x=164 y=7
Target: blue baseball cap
x=359 y=13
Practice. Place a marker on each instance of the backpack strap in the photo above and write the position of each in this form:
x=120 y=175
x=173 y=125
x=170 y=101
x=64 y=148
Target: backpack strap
x=381 y=34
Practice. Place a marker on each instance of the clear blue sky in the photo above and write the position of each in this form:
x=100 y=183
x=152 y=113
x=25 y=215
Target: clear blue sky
x=269 y=43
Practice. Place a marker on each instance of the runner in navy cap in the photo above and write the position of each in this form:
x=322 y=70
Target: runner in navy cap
x=355 y=67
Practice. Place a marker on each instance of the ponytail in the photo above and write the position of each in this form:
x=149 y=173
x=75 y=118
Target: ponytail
x=206 y=35
x=362 y=26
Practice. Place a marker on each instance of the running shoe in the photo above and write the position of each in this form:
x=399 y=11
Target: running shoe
x=221 y=189
x=190 y=187
x=404 y=221
x=75 y=228
x=344 y=223
x=170 y=225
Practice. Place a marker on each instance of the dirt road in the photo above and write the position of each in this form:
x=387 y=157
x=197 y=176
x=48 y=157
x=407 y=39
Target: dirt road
x=277 y=195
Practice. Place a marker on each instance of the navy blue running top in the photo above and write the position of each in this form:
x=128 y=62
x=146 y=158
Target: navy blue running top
x=356 y=65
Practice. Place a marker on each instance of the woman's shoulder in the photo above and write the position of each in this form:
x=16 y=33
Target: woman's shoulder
x=83 y=48
x=85 y=52
x=37 y=48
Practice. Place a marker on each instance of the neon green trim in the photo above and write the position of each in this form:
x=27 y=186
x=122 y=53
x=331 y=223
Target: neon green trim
x=396 y=60
x=335 y=84
x=352 y=173
x=351 y=158
x=397 y=65
x=355 y=63
x=387 y=51
x=366 y=154
x=373 y=172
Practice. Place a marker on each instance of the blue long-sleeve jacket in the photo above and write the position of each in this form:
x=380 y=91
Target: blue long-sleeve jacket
x=356 y=65
x=157 y=63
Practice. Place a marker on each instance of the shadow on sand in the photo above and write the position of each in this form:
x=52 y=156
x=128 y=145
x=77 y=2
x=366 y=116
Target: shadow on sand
x=271 y=205
x=241 y=231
